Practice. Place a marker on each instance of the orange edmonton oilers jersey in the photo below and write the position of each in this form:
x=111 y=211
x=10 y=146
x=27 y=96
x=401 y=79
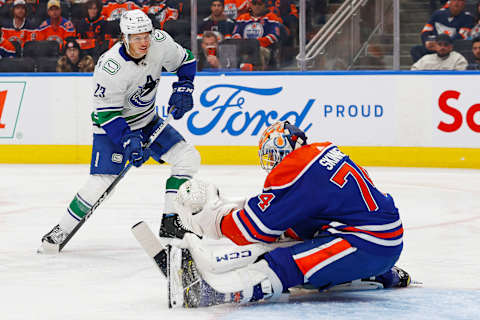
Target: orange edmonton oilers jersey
x=315 y=190
x=6 y=48
x=21 y=35
x=113 y=10
x=234 y=8
x=46 y=31
x=161 y=12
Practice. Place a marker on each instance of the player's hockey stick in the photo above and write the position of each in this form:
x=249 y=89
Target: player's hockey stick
x=60 y=246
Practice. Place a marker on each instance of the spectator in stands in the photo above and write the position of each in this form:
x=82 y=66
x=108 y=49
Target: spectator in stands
x=19 y=28
x=262 y=25
x=235 y=8
x=113 y=10
x=434 y=6
x=37 y=11
x=453 y=21
x=444 y=59
x=6 y=48
x=476 y=29
x=286 y=10
x=217 y=22
x=288 y=13
x=56 y=27
x=91 y=31
x=160 y=11
x=74 y=60
x=208 y=59
x=475 y=63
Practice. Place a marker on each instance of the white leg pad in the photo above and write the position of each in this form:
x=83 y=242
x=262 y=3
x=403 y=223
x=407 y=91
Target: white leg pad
x=244 y=279
x=219 y=256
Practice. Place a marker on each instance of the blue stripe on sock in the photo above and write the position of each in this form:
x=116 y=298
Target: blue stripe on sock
x=73 y=215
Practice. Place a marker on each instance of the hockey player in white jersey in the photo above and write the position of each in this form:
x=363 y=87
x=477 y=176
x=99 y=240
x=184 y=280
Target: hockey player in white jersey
x=124 y=116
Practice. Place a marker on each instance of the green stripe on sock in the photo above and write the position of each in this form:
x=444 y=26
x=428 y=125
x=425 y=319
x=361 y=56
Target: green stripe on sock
x=77 y=207
x=175 y=183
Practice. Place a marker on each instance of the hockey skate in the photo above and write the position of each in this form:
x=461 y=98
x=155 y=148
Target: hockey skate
x=52 y=240
x=172 y=227
x=395 y=278
x=404 y=279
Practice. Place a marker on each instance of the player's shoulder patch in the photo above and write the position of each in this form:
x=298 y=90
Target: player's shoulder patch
x=159 y=35
x=111 y=66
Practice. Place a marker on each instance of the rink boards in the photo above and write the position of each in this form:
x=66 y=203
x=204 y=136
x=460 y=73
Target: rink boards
x=385 y=118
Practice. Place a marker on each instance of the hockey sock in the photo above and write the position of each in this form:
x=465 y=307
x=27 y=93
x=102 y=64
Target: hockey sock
x=171 y=189
x=76 y=210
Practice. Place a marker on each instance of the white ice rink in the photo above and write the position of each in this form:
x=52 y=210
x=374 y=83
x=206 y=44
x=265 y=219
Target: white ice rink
x=103 y=273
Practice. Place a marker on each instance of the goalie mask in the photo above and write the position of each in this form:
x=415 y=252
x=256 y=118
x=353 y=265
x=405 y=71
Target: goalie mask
x=277 y=141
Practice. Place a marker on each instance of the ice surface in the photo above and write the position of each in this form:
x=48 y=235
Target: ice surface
x=103 y=273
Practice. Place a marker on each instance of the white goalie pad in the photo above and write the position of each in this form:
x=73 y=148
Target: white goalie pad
x=219 y=256
x=175 y=285
x=226 y=266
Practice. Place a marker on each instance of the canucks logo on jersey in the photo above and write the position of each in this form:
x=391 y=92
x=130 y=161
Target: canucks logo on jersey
x=137 y=97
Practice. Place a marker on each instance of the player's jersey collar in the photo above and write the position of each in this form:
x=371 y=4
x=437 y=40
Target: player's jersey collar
x=127 y=57
x=123 y=53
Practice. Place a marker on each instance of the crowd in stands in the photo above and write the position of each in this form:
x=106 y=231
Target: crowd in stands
x=266 y=25
x=232 y=34
x=449 y=27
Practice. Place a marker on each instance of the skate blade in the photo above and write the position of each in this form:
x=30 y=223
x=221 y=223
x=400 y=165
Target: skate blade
x=415 y=283
x=48 y=248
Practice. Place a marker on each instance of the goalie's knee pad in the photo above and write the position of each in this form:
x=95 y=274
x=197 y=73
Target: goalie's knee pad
x=184 y=159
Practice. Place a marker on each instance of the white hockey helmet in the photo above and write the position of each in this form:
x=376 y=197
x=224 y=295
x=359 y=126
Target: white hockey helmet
x=135 y=21
x=277 y=141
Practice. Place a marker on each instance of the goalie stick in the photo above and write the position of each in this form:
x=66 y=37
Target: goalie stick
x=56 y=248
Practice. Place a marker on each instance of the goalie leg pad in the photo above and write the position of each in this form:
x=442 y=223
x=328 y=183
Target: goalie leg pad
x=219 y=256
x=188 y=288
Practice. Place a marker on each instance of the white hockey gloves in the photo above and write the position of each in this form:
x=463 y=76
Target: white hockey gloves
x=201 y=208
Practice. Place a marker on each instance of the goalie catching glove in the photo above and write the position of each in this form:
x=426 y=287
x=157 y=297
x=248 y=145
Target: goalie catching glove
x=201 y=208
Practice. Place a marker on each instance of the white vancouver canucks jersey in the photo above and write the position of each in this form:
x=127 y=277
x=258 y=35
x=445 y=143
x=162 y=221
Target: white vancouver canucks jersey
x=123 y=88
